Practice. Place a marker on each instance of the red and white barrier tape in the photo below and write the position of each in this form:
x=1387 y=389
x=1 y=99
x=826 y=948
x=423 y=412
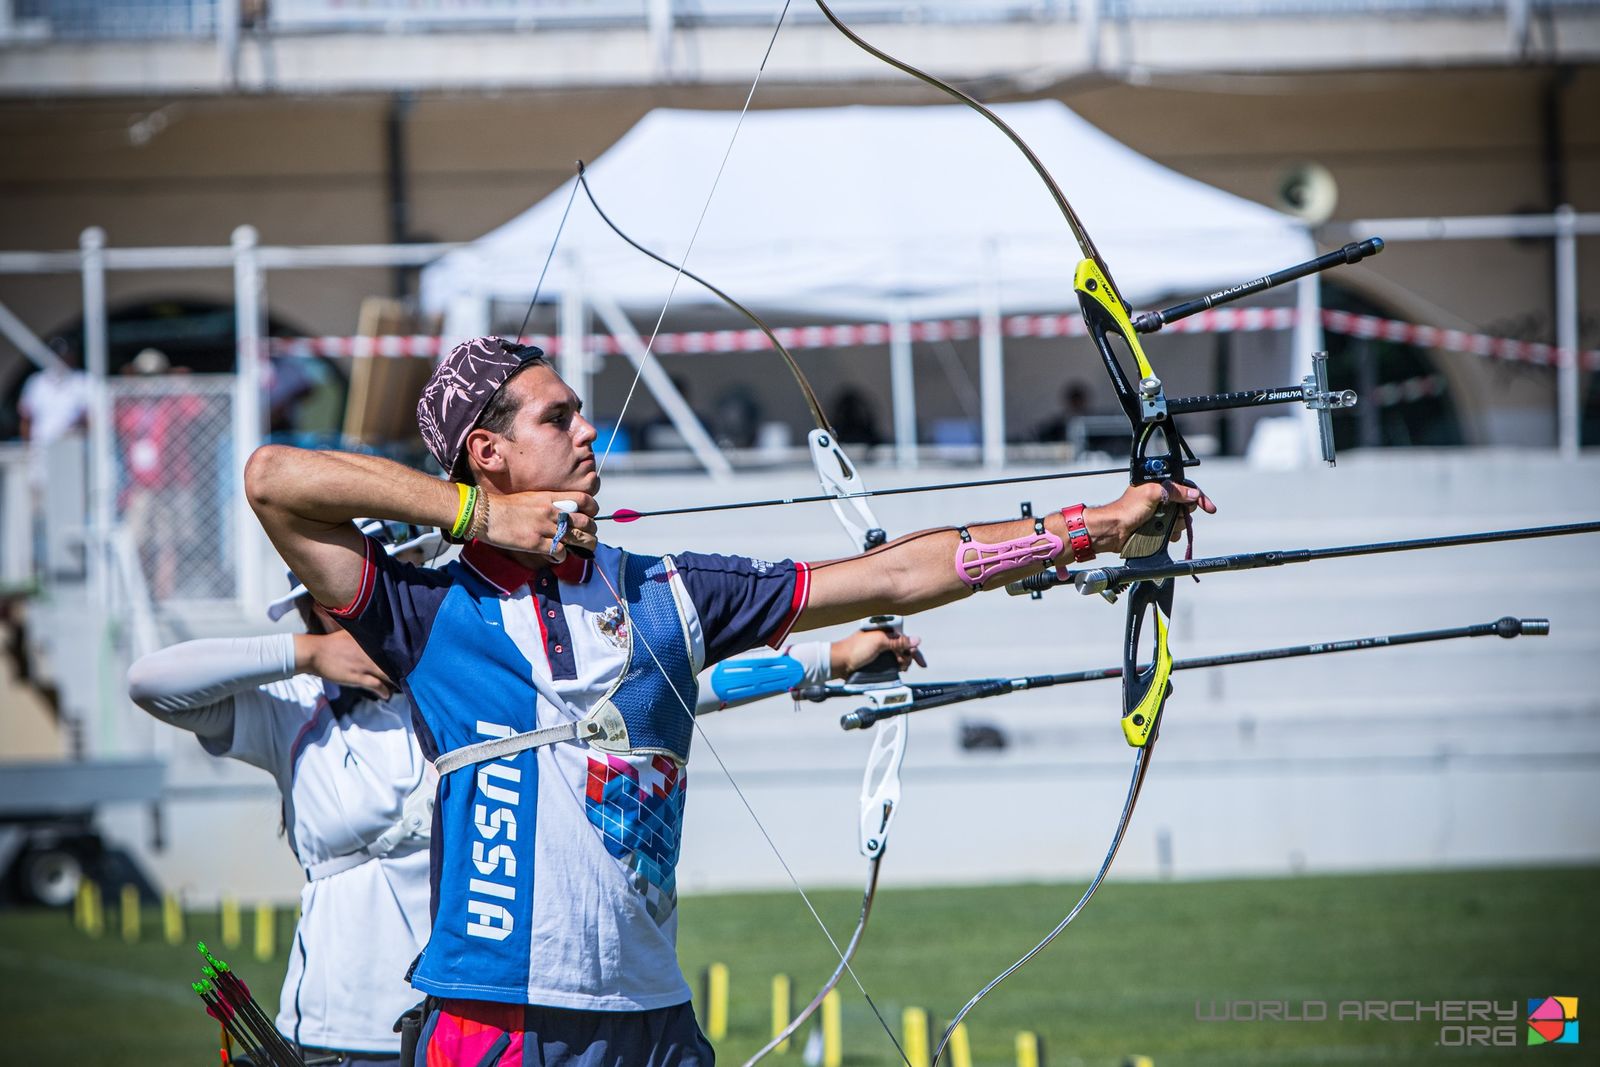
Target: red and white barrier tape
x=1477 y=344
x=1217 y=320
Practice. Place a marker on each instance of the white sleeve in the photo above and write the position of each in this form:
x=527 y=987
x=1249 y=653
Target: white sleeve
x=192 y=685
x=816 y=657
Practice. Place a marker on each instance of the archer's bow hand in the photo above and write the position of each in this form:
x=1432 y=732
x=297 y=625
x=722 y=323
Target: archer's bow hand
x=542 y=523
x=1111 y=526
x=853 y=653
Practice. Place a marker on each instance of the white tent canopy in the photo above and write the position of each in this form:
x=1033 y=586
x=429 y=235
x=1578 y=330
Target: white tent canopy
x=849 y=211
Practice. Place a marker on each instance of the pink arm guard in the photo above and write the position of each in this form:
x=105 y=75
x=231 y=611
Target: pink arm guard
x=976 y=562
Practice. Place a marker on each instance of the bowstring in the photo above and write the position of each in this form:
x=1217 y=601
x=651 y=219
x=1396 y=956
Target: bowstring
x=539 y=285
x=600 y=466
x=683 y=261
x=772 y=845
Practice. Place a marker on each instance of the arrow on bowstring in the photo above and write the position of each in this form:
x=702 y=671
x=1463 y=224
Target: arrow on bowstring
x=631 y=515
x=926 y=696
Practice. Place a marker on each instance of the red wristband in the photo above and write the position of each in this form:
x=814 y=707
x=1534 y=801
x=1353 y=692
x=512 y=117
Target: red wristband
x=1078 y=534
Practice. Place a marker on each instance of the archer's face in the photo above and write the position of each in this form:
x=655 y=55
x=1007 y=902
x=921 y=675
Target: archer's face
x=551 y=445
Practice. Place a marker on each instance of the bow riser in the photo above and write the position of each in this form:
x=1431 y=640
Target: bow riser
x=1145 y=689
x=1106 y=316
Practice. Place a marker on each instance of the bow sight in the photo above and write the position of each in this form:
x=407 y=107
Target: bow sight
x=1152 y=406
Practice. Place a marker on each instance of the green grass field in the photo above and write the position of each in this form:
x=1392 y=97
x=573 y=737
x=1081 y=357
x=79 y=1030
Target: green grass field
x=1123 y=980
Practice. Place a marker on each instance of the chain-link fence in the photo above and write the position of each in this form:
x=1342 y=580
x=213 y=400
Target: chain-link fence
x=176 y=491
x=104 y=20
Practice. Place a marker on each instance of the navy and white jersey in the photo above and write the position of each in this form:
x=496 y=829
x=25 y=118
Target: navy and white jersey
x=553 y=869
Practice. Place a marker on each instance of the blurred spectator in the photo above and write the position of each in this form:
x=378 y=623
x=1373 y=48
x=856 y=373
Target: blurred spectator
x=854 y=417
x=1078 y=425
x=736 y=418
x=157 y=502
x=1074 y=406
x=305 y=402
x=54 y=403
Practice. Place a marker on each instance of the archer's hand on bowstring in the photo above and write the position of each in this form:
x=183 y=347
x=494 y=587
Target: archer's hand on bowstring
x=1112 y=525
x=850 y=654
x=543 y=524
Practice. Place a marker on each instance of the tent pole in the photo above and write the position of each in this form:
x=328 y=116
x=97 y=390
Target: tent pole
x=902 y=387
x=660 y=385
x=991 y=364
x=574 y=360
x=1567 y=403
x=1308 y=338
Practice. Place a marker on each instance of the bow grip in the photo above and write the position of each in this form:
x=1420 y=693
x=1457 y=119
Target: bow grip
x=885 y=668
x=1152 y=537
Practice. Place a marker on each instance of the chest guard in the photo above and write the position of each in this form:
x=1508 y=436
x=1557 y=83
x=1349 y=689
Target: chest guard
x=657 y=691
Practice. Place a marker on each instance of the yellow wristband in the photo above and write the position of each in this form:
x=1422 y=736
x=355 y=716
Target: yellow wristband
x=464 y=510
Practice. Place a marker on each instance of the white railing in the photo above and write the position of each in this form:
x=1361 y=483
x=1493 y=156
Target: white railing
x=16 y=518
x=69 y=20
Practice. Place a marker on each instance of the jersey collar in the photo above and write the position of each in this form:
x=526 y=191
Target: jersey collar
x=507 y=575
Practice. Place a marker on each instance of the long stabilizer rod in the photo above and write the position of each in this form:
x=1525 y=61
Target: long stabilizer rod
x=1355 y=252
x=925 y=697
x=1113 y=580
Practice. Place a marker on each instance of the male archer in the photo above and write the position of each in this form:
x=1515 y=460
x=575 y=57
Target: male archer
x=554 y=901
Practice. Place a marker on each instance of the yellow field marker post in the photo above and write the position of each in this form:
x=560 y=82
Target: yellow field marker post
x=171 y=920
x=266 y=931
x=914 y=1032
x=782 y=1009
x=716 y=987
x=231 y=935
x=832 y=1031
x=132 y=916
x=80 y=907
x=1030 y=1052
x=97 y=910
x=960 y=1048
x=1138 y=1061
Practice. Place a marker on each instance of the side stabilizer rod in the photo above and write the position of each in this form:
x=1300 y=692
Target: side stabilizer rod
x=938 y=695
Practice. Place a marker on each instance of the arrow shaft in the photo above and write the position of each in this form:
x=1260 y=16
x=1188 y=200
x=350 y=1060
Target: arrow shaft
x=825 y=498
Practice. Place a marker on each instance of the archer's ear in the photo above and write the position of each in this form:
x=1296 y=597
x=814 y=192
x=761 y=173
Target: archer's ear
x=482 y=452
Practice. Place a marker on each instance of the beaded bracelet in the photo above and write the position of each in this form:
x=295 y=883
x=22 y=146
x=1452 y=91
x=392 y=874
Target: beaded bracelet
x=479 y=524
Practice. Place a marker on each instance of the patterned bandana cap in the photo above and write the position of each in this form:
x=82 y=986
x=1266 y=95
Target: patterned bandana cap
x=461 y=387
